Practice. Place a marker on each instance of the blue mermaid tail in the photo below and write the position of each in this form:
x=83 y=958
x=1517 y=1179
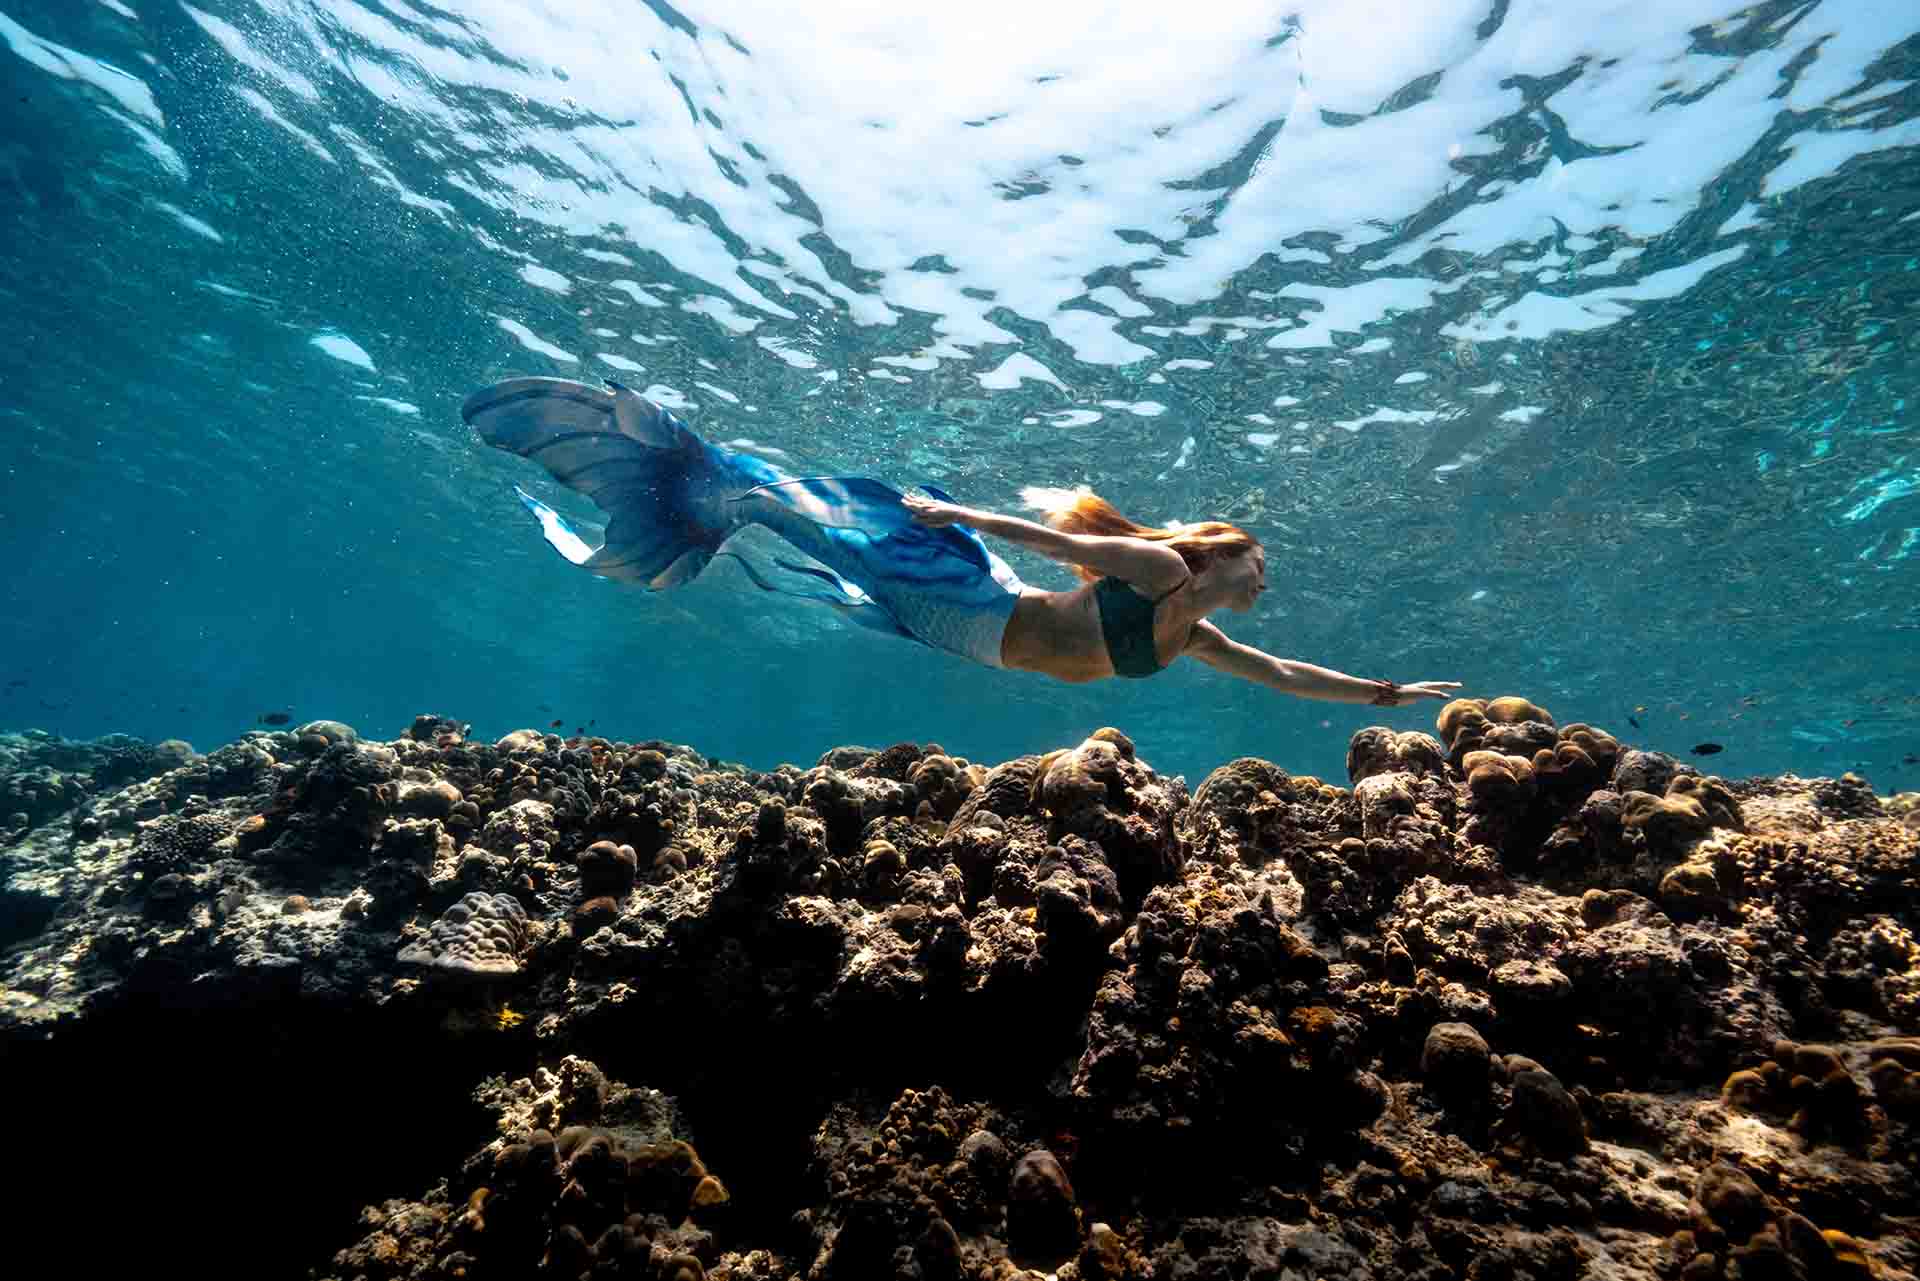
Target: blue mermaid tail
x=672 y=499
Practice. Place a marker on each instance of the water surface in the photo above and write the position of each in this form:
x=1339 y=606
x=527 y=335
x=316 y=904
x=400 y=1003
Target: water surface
x=1563 y=350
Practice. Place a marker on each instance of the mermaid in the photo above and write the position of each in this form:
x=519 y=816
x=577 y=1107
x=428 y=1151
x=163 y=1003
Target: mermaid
x=910 y=565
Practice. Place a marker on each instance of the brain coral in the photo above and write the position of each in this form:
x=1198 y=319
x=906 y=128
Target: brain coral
x=1691 y=808
x=482 y=935
x=1600 y=747
x=1510 y=725
x=1378 y=750
x=1497 y=779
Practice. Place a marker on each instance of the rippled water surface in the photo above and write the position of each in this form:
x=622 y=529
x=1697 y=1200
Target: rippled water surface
x=1563 y=349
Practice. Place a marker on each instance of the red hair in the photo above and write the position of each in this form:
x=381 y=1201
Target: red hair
x=1199 y=544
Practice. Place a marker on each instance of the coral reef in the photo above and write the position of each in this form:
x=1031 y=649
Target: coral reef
x=482 y=934
x=1520 y=1000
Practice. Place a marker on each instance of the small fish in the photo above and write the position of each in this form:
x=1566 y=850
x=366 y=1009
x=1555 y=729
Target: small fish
x=16 y=682
x=1707 y=749
x=1634 y=721
x=276 y=718
x=579 y=730
x=1641 y=708
x=556 y=725
x=1910 y=759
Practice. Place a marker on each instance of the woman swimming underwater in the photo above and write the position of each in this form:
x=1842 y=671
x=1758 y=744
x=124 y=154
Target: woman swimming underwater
x=907 y=565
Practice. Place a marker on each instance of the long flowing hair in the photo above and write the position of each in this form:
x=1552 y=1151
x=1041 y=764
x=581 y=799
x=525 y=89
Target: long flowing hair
x=1199 y=544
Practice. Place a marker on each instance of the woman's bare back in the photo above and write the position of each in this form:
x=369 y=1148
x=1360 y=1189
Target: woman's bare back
x=1058 y=634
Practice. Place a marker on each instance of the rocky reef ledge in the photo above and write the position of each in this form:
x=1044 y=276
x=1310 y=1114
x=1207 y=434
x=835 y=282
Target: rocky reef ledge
x=1518 y=1001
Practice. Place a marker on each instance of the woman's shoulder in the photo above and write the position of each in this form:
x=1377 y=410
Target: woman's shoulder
x=1156 y=591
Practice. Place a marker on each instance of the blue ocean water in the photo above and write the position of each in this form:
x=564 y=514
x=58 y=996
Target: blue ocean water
x=1562 y=350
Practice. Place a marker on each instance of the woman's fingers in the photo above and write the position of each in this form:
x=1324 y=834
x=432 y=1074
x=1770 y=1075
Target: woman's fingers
x=925 y=510
x=1435 y=689
x=1413 y=690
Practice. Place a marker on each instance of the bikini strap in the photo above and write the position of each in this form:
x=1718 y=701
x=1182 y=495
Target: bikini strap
x=1176 y=587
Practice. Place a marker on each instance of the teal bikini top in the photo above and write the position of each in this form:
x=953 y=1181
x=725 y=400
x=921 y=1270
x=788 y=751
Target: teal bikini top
x=1126 y=620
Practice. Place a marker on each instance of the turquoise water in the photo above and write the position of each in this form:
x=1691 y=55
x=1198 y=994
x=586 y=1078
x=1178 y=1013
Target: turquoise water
x=1562 y=350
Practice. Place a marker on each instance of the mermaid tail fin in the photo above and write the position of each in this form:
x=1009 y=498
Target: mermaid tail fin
x=666 y=492
x=672 y=499
x=874 y=510
x=941 y=586
x=555 y=527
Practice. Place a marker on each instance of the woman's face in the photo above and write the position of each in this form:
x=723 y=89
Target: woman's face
x=1244 y=576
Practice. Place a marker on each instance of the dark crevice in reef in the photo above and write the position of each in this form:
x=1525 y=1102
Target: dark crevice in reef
x=753 y=1109
x=239 y=1141
x=22 y=916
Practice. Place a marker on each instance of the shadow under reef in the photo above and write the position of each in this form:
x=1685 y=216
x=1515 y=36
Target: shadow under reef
x=241 y=1141
x=754 y=1092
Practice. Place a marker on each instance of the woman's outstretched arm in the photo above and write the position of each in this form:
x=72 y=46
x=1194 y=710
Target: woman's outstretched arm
x=1303 y=680
x=1137 y=561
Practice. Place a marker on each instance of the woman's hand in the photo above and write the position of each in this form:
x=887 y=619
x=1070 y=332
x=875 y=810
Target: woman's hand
x=929 y=512
x=1395 y=695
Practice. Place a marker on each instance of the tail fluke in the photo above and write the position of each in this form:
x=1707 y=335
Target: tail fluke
x=558 y=532
x=666 y=492
x=672 y=499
